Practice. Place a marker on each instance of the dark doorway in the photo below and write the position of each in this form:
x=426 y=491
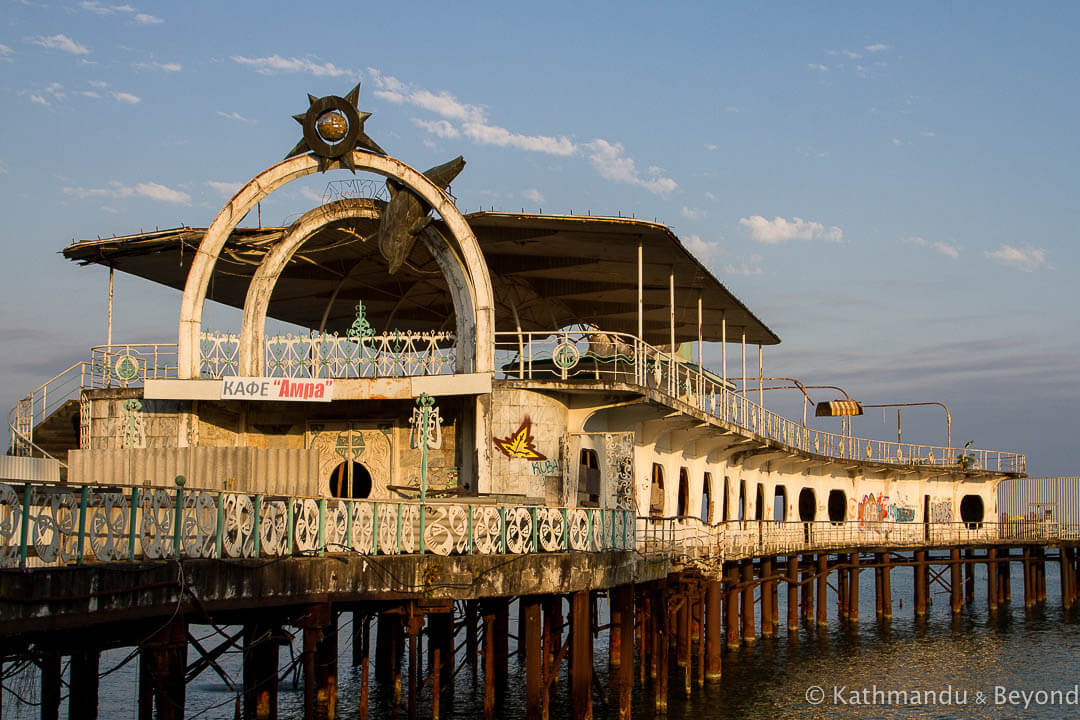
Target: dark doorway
x=742 y=499
x=779 y=507
x=759 y=503
x=350 y=480
x=837 y=506
x=706 y=498
x=807 y=505
x=684 y=492
x=972 y=511
x=656 y=496
x=727 y=501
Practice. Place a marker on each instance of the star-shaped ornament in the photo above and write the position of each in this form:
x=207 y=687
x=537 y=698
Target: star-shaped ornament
x=333 y=128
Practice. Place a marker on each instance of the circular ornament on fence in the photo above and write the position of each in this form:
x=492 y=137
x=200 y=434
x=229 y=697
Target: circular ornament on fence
x=565 y=356
x=126 y=368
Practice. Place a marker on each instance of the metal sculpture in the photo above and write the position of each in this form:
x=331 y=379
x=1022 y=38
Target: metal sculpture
x=333 y=128
x=406 y=215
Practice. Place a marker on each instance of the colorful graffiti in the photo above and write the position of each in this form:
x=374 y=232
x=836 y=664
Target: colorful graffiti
x=879 y=508
x=546 y=467
x=520 y=444
x=941 y=511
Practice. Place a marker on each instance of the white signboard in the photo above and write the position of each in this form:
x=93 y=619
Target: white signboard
x=276 y=389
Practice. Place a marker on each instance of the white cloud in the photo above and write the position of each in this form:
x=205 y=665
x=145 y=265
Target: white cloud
x=38 y=100
x=446 y=105
x=88 y=93
x=5 y=53
x=98 y=84
x=849 y=54
x=109 y=209
x=942 y=247
x=114 y=189
x=928 y=133
x=309 y=194
x=876 y=47
x=98 y=9
x=147 y=19
x=155 y=65
x=1026 y=258
x=60 y=42
x=533 y=195
x=276 y=63
x=608 y=160
x=897 y=141
x=692 y=213
x=441 y=128
x=779 y=230
x=701 y=249
x=818 y=66
x=233 y=116
x=127 y=98
x=711 y=147
x=752 y=266
x=56 y=90
x=3 y=168
x=501 y=137
x=225 y=189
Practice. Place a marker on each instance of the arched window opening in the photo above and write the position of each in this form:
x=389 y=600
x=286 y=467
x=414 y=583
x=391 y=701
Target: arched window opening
x=727 y=500
x=684 y=492
x=972 y=511
x=742 y=500
x=656 y=495
x=779 y=511
x=706 y=499
x=837 y=506
x=589 y=478
x=759 y=503
x=807 y=505
x=350 y=480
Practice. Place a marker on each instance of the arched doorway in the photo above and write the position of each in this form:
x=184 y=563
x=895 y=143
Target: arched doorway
x=727 y=500
x=350 y=480
x=972 y=511
x=759 y=503
x=706 y=498
x=780 y=503
x=837 y=506
x=656 y=494
x=807 y=505
x=684 y=493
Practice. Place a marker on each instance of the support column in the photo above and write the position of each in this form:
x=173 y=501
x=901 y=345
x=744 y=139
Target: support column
x=683 y=643
x=886 y=586
x=853 y=588
x=83 y=700
x=260 y=652
x=489 y=661
x=731 y=606
x=714 y=636
x=1065 y=558
x=319 y=626
x=921 y=578
x=842 y=587
x=808 y=588
x=532 y=631
x=767 y=587
x=879 y=610
x=1003 y=575
x=822 y=590
x=1041 y=566
x=50 y=685
x=622 y=601
x=166 y=653
x=1029 y=578
x=471 y=645
x=749 y=634
x=414 y=624
x=552 y=646
x=969 y=577
x=581 y=665
x=991 y=579
x=365 y=660
x=661 y=619
x=793 y=593
x=955 y=582
x=441 y=626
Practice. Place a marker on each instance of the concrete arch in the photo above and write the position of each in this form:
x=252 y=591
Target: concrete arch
x=253 y=323
x=462 y=247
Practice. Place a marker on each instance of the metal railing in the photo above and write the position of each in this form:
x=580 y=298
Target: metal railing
x=44 y=524
x=619 y=357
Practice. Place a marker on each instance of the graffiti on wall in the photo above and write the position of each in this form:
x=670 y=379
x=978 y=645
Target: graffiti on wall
x=520 y=444
x=941 y=511
x=546 y=467
x=881 y=508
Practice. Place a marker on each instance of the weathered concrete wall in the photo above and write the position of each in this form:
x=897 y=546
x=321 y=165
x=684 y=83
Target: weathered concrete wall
x=527 y=431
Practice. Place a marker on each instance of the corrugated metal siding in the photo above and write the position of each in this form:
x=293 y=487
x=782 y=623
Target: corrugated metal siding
x=247 y=469
x=1025 y=497
x=28 y=469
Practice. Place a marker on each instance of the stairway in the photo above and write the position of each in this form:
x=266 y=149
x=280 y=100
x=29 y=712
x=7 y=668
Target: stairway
x=59 y=432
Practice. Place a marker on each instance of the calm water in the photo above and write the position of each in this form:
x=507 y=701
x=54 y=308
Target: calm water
x=1018 y=651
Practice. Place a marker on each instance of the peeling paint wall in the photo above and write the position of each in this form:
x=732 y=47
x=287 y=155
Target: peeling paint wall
x=527 y=431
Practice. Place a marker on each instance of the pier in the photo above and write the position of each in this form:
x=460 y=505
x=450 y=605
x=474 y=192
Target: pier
x=486 y=417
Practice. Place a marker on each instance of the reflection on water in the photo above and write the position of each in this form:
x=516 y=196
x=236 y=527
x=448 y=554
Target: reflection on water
x=1018 y=650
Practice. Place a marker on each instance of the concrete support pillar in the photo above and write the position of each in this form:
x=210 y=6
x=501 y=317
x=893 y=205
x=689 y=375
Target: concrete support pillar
x=793 y=593
x=699 y=631
x=552 y=645
x=622 y=601
x=319 y=626
x=956 y=589
x=969 y=577
x=853 y=588
x=365 y=661
x=441 y=641
x=146 y=687
x=714 y=636
x=1065 y=559
x=50 y=685
x=489 y=661
x=808 y=588
x=661 y=620
x=1003 y=576
x=886 y=586
x=1029 y=578
x=414 y=624
x=472 y=625
x=581 y=660
x=991 y=579
x=260 y=645
x=822 y=590
x=768 y=568
x=731 y=606
x=496 y=613
x=83 y=678
x=683 y=643
x=531 y=631
x=749 y=634
x=842 y=587
x=921 y=581
x=1041 y=575
x=166 y=655
x=879 y=609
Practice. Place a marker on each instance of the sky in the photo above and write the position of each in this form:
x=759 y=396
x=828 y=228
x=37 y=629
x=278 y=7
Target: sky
x=891 y=187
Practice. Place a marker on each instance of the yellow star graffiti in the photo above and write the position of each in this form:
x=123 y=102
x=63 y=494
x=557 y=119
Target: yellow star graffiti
x=521 y=444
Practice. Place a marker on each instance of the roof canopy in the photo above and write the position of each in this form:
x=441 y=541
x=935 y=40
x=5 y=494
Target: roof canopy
x=547 y=271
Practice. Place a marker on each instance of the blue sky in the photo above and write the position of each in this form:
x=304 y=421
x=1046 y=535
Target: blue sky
x=891 y=187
